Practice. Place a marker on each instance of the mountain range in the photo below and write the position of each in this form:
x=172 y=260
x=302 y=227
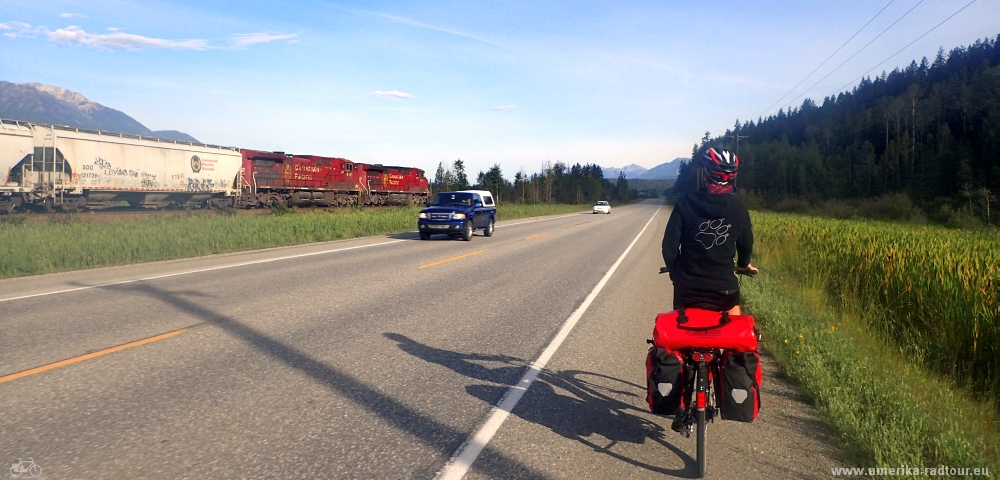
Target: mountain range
x=37 y=103
x=663 y=171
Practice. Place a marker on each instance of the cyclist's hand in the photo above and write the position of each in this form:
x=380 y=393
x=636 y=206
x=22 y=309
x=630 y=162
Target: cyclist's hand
x=750 y=270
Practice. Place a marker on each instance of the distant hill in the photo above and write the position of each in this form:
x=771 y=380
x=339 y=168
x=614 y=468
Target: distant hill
x=631 y=171
x=174 y=135
x=34 y=102
x=664 y=171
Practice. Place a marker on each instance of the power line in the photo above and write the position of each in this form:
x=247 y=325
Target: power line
x=904 y=48
x=827 y=59
x=855 y=53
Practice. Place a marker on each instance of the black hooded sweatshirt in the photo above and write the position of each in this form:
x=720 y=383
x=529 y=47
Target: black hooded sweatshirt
x=704 y=233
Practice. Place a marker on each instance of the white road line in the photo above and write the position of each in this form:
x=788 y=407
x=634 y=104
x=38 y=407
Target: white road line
x=201 y=270
x=459 y=464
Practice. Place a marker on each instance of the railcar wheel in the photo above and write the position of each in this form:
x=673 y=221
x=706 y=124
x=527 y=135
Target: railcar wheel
x=467 y=231
x=48 y=206
x=72 y=205
x=488 y=231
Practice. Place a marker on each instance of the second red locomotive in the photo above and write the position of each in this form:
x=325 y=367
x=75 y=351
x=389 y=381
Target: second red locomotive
x=274 y=178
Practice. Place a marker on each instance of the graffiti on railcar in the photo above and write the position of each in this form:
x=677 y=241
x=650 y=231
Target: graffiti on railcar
x=111 y=171
x=102 y=163
x=149 y=180
x=200 y=184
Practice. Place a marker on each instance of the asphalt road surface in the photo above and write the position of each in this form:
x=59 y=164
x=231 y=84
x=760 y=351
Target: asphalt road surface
x=379 y=357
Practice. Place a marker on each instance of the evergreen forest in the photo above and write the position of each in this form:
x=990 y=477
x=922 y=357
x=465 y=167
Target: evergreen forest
x=927 y=135
x=556 y=183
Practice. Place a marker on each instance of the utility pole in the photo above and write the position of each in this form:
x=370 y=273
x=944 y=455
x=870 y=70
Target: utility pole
x=737 y=136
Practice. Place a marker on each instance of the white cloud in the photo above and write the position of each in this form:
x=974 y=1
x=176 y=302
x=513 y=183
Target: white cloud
x=243 y=40
x=121 y=41
x=15 y=26
x=414 y=23
x=71 y=15
x=118 y=40
x=504 y=108
x=16 y=29
x=394 y=95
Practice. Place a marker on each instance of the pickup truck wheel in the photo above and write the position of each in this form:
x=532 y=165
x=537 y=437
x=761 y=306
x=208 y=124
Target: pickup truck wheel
x=488 y=231
x=425 y=236
x=467 y=231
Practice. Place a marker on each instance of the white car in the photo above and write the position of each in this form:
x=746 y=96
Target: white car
x=602 y=207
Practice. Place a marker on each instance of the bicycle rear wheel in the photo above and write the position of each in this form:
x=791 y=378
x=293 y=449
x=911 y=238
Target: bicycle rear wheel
x=701 y=444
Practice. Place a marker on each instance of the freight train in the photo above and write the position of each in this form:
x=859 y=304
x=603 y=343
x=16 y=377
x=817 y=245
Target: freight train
x=52 y=168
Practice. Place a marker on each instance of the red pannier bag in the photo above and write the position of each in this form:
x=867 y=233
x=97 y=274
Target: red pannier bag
x=737 y=388
x=666 y=379
x=697 y=328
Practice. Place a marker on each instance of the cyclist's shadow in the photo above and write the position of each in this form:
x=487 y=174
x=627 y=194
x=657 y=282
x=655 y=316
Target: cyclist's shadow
x=592 y=408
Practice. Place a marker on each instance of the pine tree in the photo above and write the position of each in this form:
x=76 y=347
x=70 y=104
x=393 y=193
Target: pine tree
x=461 y=179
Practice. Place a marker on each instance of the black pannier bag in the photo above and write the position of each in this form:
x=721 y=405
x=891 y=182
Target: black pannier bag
x=665 y=381
x=737 y=389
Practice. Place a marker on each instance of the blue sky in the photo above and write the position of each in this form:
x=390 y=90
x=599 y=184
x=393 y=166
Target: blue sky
x=612 y=83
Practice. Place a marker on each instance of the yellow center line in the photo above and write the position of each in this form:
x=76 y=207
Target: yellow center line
x=453 y=258
x=88 y=356
x=539 y=235
x=577 y=225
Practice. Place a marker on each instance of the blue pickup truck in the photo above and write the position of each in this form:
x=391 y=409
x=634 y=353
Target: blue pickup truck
x=458 y=214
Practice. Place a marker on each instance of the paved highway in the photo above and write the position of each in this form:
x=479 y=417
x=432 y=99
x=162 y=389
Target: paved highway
x=380 y=357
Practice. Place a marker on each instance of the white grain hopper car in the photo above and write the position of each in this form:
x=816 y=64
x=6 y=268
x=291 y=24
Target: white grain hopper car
x=63 y=168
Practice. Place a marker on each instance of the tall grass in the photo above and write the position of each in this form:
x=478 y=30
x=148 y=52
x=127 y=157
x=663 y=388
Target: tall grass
x=887 y=411
x=933 y=291
x=72 y=242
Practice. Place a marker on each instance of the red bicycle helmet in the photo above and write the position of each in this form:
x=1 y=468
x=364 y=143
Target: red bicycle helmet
x=720 y=165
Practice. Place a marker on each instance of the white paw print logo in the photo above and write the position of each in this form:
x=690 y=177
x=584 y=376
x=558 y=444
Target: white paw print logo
x=712 y=233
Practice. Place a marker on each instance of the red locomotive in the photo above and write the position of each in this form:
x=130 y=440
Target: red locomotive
x=273 y=178
x=393 y=185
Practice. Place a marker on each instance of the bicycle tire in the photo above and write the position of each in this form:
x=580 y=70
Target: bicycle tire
x=702 y=461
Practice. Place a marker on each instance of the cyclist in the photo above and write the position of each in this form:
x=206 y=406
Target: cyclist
x=707 y=228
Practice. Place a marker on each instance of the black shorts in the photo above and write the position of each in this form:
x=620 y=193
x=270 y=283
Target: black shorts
x=706 y=299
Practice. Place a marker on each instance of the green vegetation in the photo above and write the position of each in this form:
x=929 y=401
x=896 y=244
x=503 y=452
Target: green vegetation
x=891 y=329
x=73 y=242
x=556 y=183
x=938 y=289
x=929 y=131
x=651 y=188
